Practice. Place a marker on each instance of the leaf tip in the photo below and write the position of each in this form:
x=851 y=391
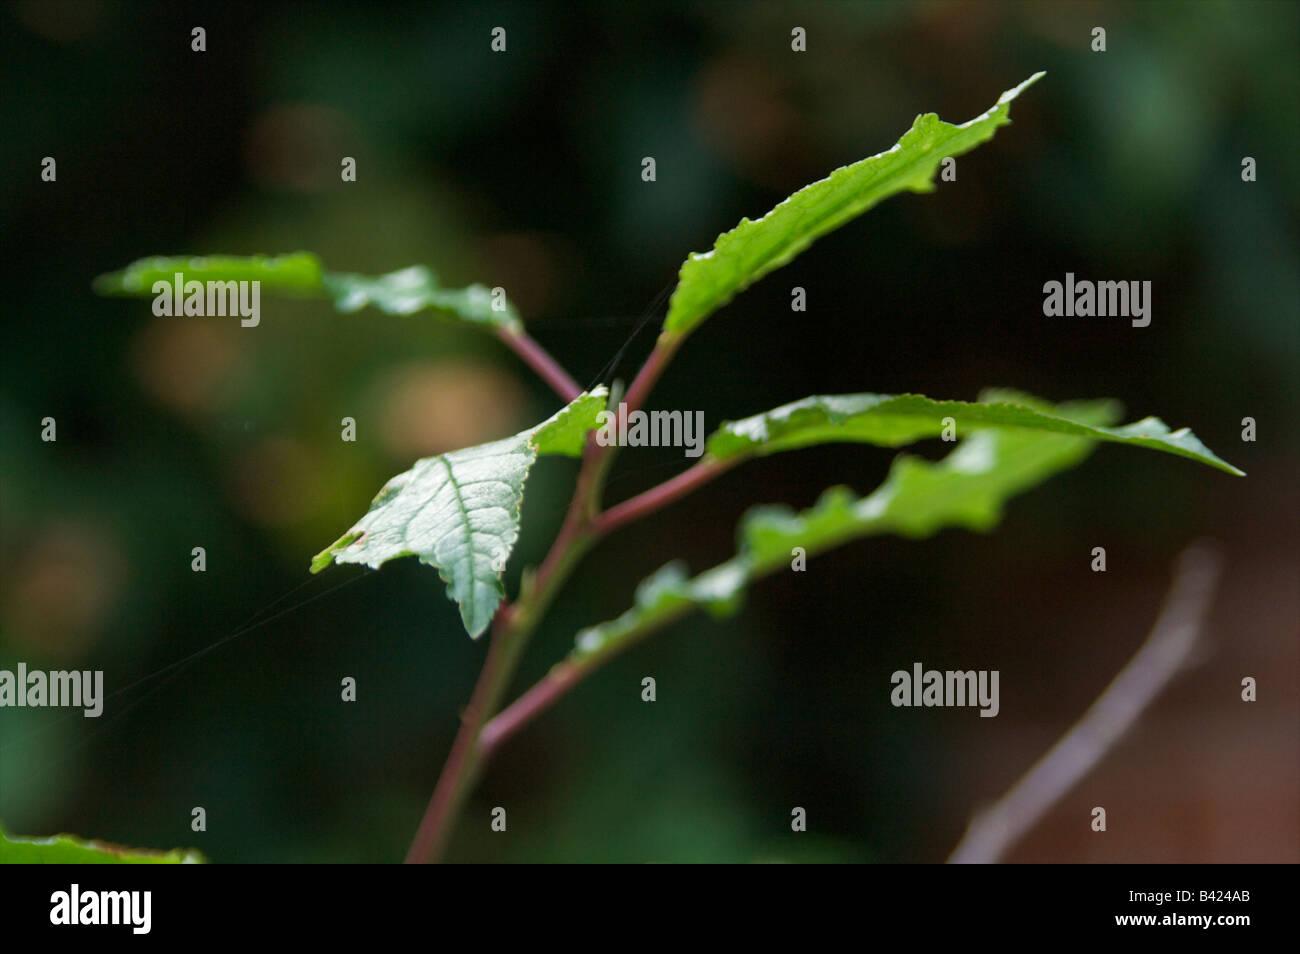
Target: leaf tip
x=326 y=557
x=1015 y=91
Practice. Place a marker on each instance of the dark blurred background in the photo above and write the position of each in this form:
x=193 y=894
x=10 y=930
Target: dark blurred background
x=522 y=169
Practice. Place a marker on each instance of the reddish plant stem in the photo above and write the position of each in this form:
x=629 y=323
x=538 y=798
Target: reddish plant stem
x=656 y=498
x=514 y=623
x=523 y=710
x=562 y=677
x=537 y=358
x=511 y=628
x=654 y=366
x=461 y=765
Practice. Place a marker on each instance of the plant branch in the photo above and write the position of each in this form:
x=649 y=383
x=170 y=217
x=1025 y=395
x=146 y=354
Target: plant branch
x=563 y=677
x=523 y=710
x=993 y=831
x=537 y=358
x=645 y=379
x=511 y=628
x=462 y=765
x=660 y=496
x=514 y=623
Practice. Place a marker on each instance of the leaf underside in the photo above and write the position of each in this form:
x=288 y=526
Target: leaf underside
x=459 y=512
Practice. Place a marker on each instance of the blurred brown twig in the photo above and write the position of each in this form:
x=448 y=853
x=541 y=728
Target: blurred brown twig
x=995 y=829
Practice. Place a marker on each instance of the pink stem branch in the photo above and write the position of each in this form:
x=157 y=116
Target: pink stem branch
x=523 y=710
x=537 y=358
x=514 y=622
x=650 y=371
x=656 y=498
x=462 y=764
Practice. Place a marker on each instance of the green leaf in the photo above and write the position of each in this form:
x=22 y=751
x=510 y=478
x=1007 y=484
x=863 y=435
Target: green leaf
x=296 y=273
x=565 y=434
x=459 y=512
x=402 y=292
x=968 y=488
x=893 y=420
x=661 y=598
x=752 y=249
x=68 y=850
x=413 y=289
